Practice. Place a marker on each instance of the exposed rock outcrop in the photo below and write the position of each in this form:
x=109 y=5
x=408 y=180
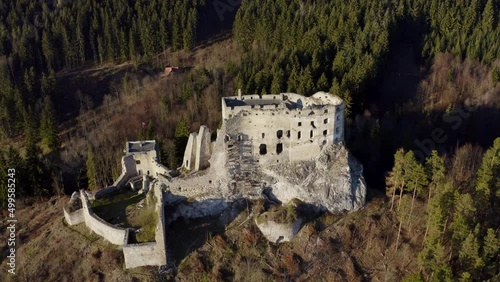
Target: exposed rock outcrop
x=334 y=180
x=279 y=232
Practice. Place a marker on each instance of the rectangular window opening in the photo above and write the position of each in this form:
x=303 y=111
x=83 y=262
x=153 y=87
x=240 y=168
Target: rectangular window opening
x=279 y=148
x=263 y=149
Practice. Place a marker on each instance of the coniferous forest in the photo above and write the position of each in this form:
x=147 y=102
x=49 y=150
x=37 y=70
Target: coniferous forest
x=354 y=49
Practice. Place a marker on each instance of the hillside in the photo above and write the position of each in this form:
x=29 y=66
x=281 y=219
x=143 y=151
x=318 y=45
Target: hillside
x=49 y=248
x=420 y=81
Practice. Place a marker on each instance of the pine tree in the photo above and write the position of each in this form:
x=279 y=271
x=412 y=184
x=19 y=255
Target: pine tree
x=48 y=130
x=132 y=51
x=347 y=97
x=322 y=84
x=488 y=179
x=469 y=253
x=293 y=80
x=491 y=251
x=29 y=79
x=48 y=50
x=306 y=81
x=35 y=170
x=488 y=16
x=101 y=49
x=80 y=40
x=278 y=81
x=462 y=218
x=395 y=179
x=416 y=179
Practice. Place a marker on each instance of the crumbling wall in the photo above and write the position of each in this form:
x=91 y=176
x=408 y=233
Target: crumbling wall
x=189 y=159
x=129 y=169
x=281 y=135
x=279 y=232
x=198 y=150
x=203 y=147
x=73 y=218
x=148 y=165
x=141 y=254
x=113 y=234
x=151 y=253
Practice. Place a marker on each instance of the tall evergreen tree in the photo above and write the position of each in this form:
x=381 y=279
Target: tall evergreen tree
x=395 y=179
x=48 y=129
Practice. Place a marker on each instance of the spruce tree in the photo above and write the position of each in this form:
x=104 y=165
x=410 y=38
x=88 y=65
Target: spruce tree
x=48 y=130
x=395 y=179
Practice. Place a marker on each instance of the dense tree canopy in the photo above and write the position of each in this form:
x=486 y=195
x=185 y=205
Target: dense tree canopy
x=461 y=236
x=305 y=46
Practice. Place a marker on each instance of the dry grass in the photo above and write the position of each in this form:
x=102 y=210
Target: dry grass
x=354 y=247
x=49 y=250
x=146 y=219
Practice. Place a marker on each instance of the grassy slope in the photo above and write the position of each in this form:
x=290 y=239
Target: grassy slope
x=49 y=250
x=355 y=247
x=360 y=245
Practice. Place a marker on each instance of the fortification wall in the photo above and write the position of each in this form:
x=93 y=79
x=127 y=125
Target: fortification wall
x=152 y=253
x=129 y=170
x=141 y=254
x=106 y=191
x=75 y=217
x=113 y=234
x=148 y=165
x=160 y=226
x=288 y=135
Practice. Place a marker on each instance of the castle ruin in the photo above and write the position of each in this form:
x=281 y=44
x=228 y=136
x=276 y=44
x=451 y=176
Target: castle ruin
x=284 y=127
x=265 y=143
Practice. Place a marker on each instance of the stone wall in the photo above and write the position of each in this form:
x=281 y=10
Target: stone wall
x=141 y=254
x=295 y=136
x=203 y=148
x=198 y=150
x=75 y=217
x=152 y=253
x=147 y=165
x=285 y=127
x=190 y=153
x=113 y=234
x=276 y=232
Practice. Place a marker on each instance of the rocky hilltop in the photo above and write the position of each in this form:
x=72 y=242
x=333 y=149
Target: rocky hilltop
x=332 y=181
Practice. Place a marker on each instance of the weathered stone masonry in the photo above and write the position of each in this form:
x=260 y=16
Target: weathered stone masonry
x=265 y=142
x=284 y=127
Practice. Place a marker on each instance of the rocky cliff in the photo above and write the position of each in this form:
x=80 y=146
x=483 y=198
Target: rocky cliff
x=332 y=181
